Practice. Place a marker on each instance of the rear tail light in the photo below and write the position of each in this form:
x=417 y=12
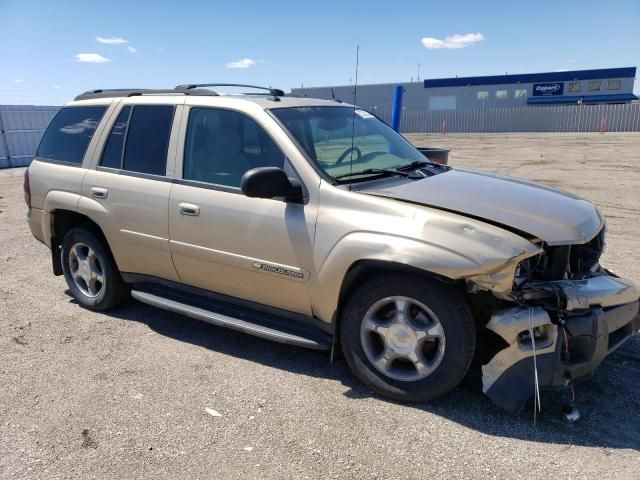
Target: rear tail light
x=27 y=188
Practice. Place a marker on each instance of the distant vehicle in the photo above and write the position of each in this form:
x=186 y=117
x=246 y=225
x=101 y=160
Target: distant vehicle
x=313 y=223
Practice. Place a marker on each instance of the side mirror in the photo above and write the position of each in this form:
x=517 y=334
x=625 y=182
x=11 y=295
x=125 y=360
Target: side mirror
x=270 y=182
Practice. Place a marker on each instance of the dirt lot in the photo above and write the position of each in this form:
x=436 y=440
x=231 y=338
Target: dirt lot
x=123 y=395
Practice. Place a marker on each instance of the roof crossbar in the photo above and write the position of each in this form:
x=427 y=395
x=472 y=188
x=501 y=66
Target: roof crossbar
x=276 y=92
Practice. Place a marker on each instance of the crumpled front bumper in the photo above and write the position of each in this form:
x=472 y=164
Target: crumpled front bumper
x=576 y=324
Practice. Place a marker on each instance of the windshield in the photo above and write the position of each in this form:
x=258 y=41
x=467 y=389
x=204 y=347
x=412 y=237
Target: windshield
x=325 y=134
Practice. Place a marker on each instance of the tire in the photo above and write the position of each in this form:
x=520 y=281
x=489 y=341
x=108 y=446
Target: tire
x=91 y=272
x=442 y=361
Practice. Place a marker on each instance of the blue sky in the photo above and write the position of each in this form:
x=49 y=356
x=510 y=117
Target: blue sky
x=287 y=44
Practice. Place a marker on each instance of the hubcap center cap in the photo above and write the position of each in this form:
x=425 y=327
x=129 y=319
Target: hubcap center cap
x=402 y=339
x=85 y=270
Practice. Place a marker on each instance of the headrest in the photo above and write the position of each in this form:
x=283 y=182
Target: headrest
x=225 y=142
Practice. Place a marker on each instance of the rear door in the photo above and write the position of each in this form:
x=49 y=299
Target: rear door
x=128 y=192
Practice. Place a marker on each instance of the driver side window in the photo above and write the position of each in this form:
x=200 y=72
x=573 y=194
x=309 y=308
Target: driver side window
x=221 y=145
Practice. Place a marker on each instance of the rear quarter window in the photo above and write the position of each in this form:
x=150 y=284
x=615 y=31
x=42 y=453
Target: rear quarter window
x=69 y=133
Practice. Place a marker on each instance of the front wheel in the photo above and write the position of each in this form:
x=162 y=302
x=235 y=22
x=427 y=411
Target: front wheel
x=90 y=271
x=408 y=338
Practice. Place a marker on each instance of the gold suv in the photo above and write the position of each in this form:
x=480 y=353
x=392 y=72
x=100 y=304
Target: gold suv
x=313 y=223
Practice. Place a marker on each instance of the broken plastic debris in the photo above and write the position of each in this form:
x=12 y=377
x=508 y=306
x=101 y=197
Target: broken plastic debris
x=212 y=412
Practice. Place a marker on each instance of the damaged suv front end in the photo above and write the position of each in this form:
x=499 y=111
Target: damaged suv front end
x=577 y=311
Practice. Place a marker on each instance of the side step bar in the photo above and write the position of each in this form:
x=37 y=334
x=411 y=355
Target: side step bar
x=259 y=325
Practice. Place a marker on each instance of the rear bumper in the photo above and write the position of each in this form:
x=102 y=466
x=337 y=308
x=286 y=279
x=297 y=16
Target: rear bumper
x=570 y=343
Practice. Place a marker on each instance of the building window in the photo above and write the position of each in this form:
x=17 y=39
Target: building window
x=501 y=94
x=483 y=95
x=520 y=93
x=574 y=87
x=442 y=102
x=593 y=86
x=613 y=85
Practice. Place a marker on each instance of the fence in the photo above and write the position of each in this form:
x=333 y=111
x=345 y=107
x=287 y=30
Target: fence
x=557 y=118
x=21 y=127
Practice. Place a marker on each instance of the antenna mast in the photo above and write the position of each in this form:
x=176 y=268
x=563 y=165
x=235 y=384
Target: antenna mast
x=353 y=119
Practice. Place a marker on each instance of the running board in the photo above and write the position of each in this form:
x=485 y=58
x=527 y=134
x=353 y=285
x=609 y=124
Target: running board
x=261 y=325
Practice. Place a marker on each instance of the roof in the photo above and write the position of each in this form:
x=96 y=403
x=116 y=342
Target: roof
x=135 y=92
x=601 y=73
x=267 y=97
x=264 y=101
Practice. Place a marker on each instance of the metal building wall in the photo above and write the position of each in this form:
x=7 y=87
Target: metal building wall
x=21 y=127
x=416 y=96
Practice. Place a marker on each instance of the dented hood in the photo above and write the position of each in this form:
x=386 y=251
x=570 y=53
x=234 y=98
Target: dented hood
x=555 y=216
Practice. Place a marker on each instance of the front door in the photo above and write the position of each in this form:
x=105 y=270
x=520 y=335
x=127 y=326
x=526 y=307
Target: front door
x=251 y=248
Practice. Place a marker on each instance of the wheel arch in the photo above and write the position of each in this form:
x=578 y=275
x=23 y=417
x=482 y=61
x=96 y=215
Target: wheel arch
x=63 y=220
x=361 y=271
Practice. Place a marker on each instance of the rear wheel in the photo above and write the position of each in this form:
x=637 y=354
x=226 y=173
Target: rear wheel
x=407 y=338
x=90 y=271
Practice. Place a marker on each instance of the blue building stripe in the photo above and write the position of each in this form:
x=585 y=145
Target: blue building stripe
x=533 y=77
x=617 y=97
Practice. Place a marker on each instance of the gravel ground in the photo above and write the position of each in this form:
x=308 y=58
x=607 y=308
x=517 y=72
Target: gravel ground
x=124 y=394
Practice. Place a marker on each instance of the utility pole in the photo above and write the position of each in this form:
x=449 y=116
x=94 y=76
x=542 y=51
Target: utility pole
x=418 y=72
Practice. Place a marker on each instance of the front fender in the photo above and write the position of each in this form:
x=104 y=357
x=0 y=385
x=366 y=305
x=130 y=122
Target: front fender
x=473 y=251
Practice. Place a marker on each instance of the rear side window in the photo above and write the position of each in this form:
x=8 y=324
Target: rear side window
x=69 y=133
x=147 y=139
x=112 y=154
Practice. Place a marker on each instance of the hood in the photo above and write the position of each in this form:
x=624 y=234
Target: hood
x=555 y=216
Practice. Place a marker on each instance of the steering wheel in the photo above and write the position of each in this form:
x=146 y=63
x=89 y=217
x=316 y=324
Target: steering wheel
x=347 y=152
x=371 y=155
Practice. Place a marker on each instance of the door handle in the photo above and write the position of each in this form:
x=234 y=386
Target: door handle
x=99 y=192
x=188 y=209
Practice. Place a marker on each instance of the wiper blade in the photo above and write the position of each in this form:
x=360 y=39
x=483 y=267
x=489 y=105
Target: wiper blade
x=414 y=165
x=374 y=171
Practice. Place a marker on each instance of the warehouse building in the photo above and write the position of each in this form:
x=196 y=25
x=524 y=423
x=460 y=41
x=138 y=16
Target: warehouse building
x=602 y=86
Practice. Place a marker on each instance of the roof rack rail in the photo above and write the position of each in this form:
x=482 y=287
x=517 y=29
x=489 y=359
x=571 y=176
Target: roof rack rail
x=276 y=92
x=134 y=92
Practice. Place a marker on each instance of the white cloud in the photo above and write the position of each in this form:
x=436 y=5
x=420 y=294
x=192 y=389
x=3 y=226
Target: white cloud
x=242 y=63
x=132 y=50
x=18 y=80
x=562 y=69
x=453 y=41
x=111 y=40
x=55 y=86
x=91 y=58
